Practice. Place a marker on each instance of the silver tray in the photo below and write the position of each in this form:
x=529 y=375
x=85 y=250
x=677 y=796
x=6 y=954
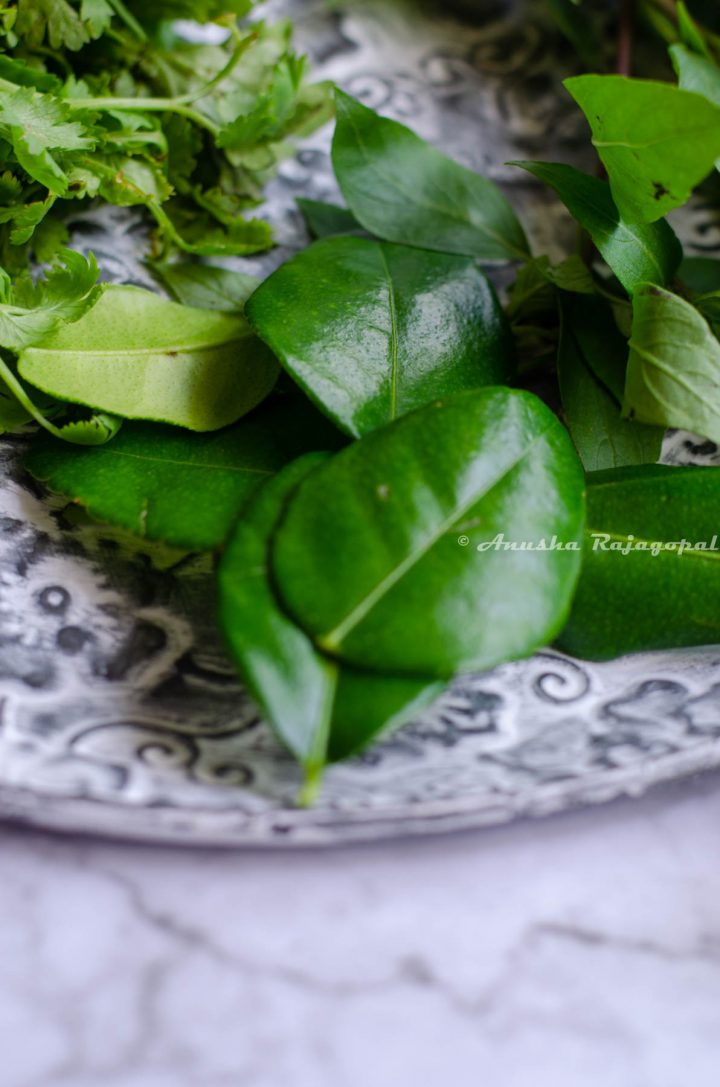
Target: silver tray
x=120 y=712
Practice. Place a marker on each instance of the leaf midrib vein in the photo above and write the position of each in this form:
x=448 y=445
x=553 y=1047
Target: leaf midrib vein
x=187 y=463
x=141 y=352
x=393 y=345
x=333 y=638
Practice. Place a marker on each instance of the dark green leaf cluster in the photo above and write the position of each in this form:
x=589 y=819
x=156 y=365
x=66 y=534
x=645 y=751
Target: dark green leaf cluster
x=404 y=506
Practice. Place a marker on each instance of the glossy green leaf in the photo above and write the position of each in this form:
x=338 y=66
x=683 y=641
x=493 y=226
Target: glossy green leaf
x=589 y=344
x=637 y=592
x=673 y=377
x=696 y=73
x=372 y=330
x=206 y=286
x=403 y=190
x=140 y=356
x=327 y=220
x=636 y=252
x=184 y=489
x=657 y=142
x=318 y=709
x=377 y=557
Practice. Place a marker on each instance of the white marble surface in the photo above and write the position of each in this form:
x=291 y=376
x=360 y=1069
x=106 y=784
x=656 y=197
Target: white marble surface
x=583 y=951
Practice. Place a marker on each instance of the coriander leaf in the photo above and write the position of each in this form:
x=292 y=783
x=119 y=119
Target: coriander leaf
x=657 y=142
x=326 y=220
x=318 y=710
x=200 y=235
x=403 y=190
x=140 y=356
x=636 y=252
x=97 y=15
x=186 y=490
x=206 y=285
x=633 y=593
x=602 y=438
x=673 y=377
x=54 y=21
x=377 y=556
x=18 y=71
x=31 y=311
x=371 y=331
x=37 y=124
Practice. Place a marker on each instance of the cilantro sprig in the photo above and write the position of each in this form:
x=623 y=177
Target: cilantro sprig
x=102 y=99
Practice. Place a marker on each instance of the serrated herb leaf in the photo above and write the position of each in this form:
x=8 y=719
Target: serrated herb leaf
x=657 y=141
x=634 y=593
x=636 y=252
x=673 y=377
x=403 y=190
x=185 y=490
x=140 y=356
x=319 y=710
x=372 y=331
x=377 y=554
x=589 y=344
x=31 y=311
x=37 y=125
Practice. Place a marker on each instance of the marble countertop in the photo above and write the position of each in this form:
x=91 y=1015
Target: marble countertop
x=582 y=951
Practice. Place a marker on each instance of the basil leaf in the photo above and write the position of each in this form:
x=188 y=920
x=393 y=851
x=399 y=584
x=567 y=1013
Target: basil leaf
x=186 y=490
x=319 y=710
x=140 y=356
x=327 y=220
x=636 y=252
x=206 y=285
x=657 y=141
x=403 y=190
x=372 y=331
x=649 y=597
x=369 y=558
x=696 y=73
x=589 y=343
x=673 y=377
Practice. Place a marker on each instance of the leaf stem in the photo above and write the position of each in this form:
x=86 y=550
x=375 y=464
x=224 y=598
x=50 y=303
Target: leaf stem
x=129 y=19
x=18 y=391
x=142 y=105
x=311 y=785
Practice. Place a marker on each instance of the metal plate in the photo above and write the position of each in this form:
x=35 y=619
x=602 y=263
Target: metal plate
x=120 y=712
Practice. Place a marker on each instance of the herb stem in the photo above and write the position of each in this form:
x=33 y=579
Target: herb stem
x=129 y=19
x=18 y=391
x=142 y=105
